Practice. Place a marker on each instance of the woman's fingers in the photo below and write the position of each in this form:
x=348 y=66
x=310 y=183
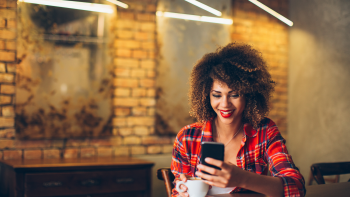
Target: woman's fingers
x=184 y=194
x=208 y=169
x=209 y=177
x=219 y=178
x=215 y=162
x=205 y=176
x=216 y=184
x=183 y=187
x=183 y=178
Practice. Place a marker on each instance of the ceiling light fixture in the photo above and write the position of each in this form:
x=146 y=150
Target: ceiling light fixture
x=272 y=12
x=205 y=7
x=118 y=3
x=94 y=7
x=195 y=17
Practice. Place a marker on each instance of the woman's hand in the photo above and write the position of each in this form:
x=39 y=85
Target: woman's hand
x=183 y=187
x=228 y=176
x=233 y=176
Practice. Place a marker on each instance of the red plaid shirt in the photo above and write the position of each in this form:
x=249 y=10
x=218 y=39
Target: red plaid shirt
x=261 y=150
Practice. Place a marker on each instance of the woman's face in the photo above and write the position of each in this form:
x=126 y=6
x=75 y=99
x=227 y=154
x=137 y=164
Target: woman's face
x=226 y=103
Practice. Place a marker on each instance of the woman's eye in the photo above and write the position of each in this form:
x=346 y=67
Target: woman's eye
x=235 y=95
x=216 y=95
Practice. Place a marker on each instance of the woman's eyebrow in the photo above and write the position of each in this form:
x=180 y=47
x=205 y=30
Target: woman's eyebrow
x=232 y=91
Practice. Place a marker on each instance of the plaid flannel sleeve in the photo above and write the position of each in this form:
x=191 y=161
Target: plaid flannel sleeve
x=179 y=162
x=281 y=165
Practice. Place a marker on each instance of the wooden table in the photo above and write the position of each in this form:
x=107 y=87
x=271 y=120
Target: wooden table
x=324 y=190
x=91 y=177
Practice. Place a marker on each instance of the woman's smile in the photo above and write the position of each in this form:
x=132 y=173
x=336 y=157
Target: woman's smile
x=226 y=113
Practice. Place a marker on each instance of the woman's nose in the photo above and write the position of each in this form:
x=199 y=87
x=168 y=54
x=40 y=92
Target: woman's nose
x=225 y=101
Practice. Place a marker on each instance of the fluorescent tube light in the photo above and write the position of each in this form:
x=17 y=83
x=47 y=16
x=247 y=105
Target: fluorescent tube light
x=94 y=7
x=195 y=17
x=100 y=25
x=118 y=3
x=205 y=7
x=272 y=12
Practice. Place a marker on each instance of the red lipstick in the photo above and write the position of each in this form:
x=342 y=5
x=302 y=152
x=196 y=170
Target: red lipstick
x=226 y=113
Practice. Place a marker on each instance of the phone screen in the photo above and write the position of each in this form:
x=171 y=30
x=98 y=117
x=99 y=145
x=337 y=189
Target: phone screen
x=213 y=150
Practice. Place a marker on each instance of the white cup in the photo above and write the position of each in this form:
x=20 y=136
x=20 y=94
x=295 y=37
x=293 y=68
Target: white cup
x=195 y=187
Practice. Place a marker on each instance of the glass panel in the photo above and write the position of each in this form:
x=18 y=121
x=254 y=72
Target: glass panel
x=64 y=77
x=183 y=42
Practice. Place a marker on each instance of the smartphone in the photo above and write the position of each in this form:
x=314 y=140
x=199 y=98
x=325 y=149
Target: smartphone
x=213 y=150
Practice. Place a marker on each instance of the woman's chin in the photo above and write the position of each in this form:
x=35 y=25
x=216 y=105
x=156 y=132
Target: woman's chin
x=228 y=120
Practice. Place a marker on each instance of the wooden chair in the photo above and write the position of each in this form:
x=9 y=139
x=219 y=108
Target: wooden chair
x=318 y=170
x=334 y=179
x=167 y=176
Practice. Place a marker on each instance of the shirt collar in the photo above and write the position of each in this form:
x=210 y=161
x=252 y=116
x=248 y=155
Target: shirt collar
x=249 y=130
x=207 y=132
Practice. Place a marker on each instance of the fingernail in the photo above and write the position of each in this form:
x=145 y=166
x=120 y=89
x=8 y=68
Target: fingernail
x=207 y=159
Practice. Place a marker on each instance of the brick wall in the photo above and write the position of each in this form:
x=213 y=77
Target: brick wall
x=134 y=83
x=269 y=35
x=134 y=92
x=7 y=77
x=135 y=99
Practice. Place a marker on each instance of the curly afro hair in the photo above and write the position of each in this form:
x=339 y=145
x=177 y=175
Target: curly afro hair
x=243 y=70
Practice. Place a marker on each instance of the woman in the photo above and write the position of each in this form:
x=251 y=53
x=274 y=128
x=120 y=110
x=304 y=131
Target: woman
x=229 y=95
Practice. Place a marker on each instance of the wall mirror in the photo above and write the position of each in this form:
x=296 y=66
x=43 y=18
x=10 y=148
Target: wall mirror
x=64 y=72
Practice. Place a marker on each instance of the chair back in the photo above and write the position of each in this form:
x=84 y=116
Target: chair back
x=167 y=176
x=319 y=170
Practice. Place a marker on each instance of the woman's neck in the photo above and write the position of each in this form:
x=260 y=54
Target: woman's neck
x=226 y=130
